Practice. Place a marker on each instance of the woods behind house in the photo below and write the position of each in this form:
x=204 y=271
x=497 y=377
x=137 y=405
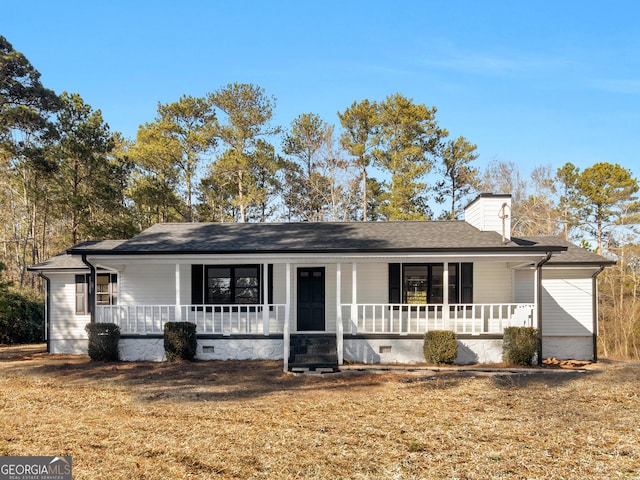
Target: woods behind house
x=65 y=177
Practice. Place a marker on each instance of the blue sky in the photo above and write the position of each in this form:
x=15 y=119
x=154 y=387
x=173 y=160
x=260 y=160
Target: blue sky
x=536 y=83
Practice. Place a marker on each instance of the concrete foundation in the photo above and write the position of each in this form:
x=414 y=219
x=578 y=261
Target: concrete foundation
x=395 y=350
x=69 y=346
x=152 y=349
x=142 y=349
x=356 y=350
x=240 y=349
x=567 y=348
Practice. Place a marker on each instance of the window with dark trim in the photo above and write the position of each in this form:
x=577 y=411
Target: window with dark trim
x=106 y=291
x=106 y=288
x=229 y=284
x=423 y=283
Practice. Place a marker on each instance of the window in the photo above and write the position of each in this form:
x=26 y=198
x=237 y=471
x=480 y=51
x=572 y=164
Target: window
x=82 y=292
x=415 y=284
x=232 y=285
x=218 y=285
x=423 y=283
x=229 y=284
x=106 y=289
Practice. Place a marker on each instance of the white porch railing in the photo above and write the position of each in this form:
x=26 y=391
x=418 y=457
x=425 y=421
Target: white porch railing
x=473 y=319
x=137 y=319
x=405 y=319
x=212 y=319
x=235 y=319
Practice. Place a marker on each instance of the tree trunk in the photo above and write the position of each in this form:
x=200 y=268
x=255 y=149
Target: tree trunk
x=599 y=237
x=241 y=197
x=189 y=206
x=365 y=199
x=452 y=215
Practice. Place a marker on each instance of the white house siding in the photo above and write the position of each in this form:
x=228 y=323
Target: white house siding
x=330 y=297
x=523 y=288
x=567 y=313
x=474 y=215
x=150 y=284
x=491 y=282
x=185 y=283
x=67 y=333
x=567 y=303
x=372 y=280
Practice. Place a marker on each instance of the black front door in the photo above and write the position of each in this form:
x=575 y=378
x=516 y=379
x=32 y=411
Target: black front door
x=311 y=299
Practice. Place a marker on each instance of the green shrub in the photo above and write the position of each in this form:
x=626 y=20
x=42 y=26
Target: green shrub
x=103 y=341
x=21 y=317
x=180 y=341
x=440 y=346
x=519 y=345
x=21 y=314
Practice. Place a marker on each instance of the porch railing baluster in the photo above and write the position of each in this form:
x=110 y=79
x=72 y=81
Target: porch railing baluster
x=469 y=319
x=378 y=318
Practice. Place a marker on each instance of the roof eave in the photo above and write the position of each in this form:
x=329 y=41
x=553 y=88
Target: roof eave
x=606 y=263
x=507 y=250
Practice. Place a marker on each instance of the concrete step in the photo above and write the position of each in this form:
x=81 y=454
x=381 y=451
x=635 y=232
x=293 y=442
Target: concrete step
x=313 y=352
x=313 y=370
x=311 y=359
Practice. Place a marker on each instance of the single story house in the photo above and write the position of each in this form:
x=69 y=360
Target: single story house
x=321 y=294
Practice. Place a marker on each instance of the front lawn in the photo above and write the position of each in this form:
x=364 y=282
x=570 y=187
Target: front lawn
x=251 y=420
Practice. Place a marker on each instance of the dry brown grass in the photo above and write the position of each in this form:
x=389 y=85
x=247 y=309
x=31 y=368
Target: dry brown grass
x=251 y=420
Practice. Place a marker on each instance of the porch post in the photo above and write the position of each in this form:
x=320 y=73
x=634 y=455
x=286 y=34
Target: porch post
x=538 y=308
x=535 y=298
x=178 y=309
x=445 y=295
x=339 y=326
x=265 y=299
x=538 y=302
x=287 y=315
x=354 y=298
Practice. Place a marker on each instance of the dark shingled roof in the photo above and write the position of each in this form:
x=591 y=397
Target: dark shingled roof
x=226 y=238
x=573 y=255
x=66 y=261
x=340 y=237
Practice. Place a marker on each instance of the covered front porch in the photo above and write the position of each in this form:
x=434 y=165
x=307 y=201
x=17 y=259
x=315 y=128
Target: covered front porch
x=344 y=302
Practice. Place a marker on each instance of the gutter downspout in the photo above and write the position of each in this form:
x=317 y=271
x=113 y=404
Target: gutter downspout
x=594 y=309
x=47 y=309
x=91 y=300
x=539 y=302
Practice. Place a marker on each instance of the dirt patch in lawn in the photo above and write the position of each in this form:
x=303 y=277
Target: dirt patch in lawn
x=245 y=419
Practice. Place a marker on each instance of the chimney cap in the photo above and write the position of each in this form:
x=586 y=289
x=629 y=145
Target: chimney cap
x=488 y=195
